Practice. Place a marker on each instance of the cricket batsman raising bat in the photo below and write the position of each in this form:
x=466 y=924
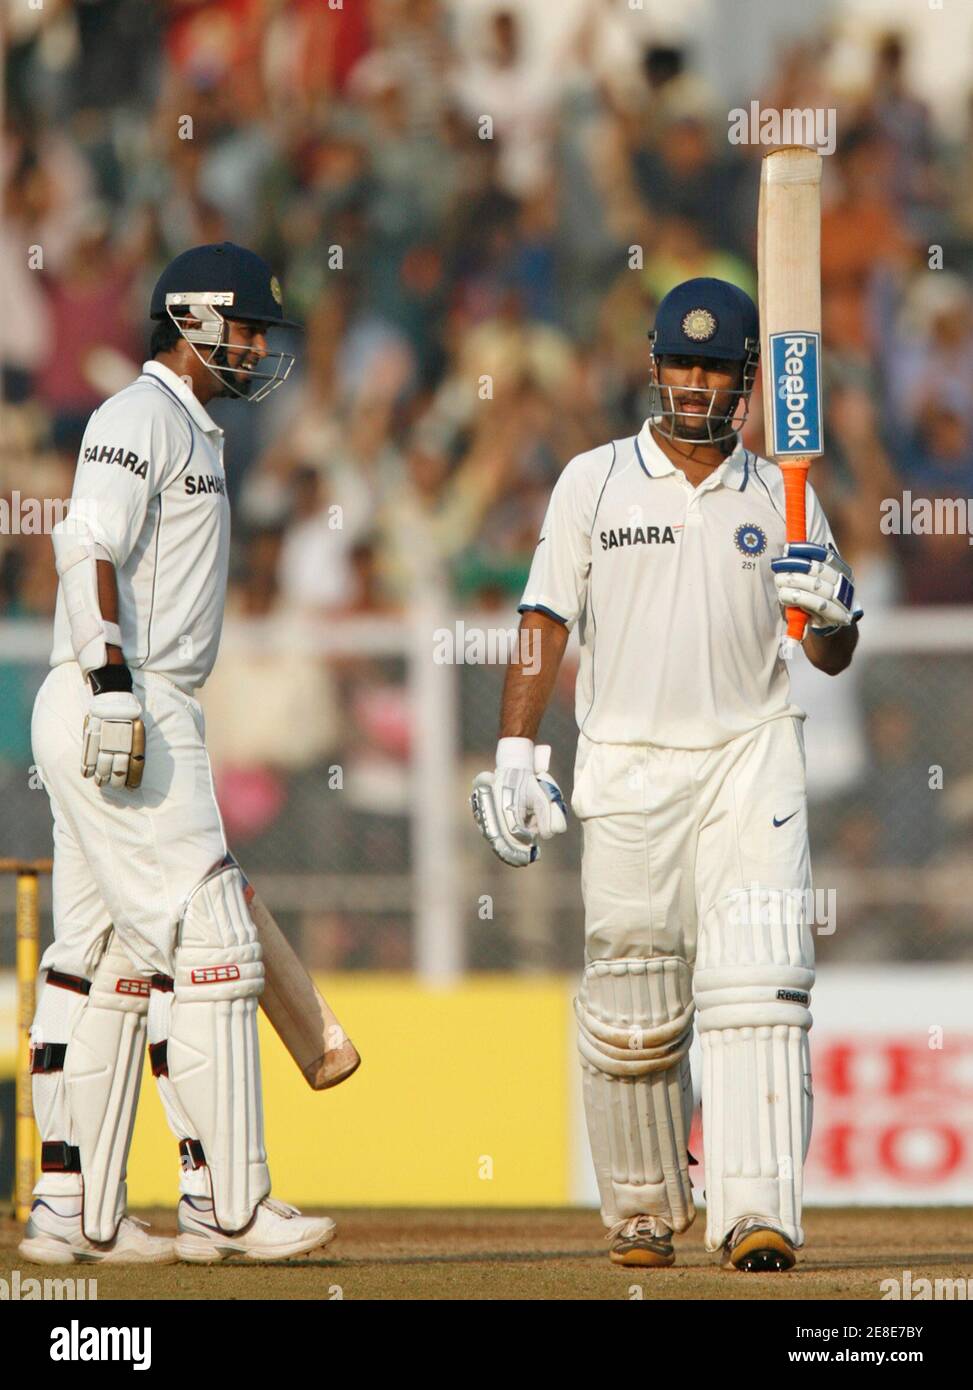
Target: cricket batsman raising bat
x=675 y=554
x=789 y=273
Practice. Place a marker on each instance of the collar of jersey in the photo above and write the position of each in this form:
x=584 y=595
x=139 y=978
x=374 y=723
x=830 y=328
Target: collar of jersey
x=182 y=392
x=731 y=473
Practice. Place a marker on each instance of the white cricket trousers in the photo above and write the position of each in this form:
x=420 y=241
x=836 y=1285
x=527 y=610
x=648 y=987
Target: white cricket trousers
x=125 y=859
x=696 y=880
x=670 y=834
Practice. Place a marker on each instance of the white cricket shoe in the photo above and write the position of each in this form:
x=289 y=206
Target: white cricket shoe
x=276 y=1231
x=643 y=1241
x=54 y=1237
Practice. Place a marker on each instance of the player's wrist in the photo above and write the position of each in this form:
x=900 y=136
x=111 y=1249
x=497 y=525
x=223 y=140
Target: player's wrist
x=515 y=753
x=110 y=678
x=834 y=628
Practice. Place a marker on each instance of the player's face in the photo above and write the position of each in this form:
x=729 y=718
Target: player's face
x=701 y=387
x=245 y=344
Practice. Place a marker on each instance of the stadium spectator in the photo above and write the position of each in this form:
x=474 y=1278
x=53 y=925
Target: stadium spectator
x=476 y=311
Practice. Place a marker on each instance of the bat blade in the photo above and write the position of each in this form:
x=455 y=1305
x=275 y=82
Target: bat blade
x=789 y=272
x=302 y=1018
x=789 y=276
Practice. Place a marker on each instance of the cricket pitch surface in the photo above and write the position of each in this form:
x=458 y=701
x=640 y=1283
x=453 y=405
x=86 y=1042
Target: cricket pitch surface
x=412 y=1253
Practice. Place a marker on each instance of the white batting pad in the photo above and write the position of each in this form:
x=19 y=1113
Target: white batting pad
x=102 y=1076
x=57 y=1016
x=635 y=1021
x=753 y=980
x=213 y=1055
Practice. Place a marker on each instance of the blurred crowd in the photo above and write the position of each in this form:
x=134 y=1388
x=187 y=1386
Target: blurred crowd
x=475 y=229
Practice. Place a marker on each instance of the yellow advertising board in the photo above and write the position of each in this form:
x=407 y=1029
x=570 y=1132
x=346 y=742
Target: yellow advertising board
x=463 y=1098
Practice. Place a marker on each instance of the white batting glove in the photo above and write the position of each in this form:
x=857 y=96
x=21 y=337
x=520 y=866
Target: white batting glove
x=815 y=579
x=113 y=743
x=519 y=802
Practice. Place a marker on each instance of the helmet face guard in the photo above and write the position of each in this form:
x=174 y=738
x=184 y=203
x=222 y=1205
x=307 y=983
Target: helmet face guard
x=721 y=427
x=212 y=311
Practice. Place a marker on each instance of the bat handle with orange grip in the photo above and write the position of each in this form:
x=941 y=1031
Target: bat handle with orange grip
x=795 y=515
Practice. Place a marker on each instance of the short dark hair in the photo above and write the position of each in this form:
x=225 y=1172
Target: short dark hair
x=165 y=336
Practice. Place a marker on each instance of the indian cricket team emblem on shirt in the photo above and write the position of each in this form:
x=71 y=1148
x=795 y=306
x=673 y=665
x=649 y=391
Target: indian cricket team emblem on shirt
x=699 y=325
x=750 y=540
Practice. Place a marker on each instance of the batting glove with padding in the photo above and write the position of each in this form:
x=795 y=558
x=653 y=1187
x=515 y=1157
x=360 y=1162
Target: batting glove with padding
x=815 y=579
x=113 y=740
x=519 y=803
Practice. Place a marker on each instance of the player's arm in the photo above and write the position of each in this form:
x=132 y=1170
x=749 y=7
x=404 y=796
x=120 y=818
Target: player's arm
x=531 y=675
x=108 y=603
x=113 y=738
x=519 y=803
x=128 y=454
x=113 y=741
x=831 y=654
x=811 y=575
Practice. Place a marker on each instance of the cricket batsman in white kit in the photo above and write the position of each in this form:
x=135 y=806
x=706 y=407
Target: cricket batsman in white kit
x=153 y=939
x=690 y=785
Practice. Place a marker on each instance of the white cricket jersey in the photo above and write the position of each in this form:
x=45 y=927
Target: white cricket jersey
x=672 y=590
x=151 y=481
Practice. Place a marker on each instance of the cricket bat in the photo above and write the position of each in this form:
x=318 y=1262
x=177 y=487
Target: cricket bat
x=303 y=1019
x=789 y=276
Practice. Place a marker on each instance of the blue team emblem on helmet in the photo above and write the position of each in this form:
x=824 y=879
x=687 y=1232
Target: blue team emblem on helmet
x=750 y=540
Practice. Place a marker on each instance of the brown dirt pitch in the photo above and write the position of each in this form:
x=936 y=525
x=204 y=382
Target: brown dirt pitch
x=547 y=1254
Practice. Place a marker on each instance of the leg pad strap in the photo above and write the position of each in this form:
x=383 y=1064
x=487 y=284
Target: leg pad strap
x=59 y=1157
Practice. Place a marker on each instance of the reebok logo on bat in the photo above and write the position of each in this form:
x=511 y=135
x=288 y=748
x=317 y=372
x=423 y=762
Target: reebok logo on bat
x=796 y=364
x=779 y=823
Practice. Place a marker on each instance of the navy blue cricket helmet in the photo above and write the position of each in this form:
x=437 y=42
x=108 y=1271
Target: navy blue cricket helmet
x=706 y=318
x=210 y=284
x=246 y=286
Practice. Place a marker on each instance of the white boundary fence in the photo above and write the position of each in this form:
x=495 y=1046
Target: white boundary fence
x=434 y=887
